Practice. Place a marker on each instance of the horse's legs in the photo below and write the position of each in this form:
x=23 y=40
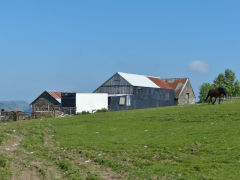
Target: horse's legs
x=219 y=100
x=207 y=97
x=210 y=101
x=214 y=100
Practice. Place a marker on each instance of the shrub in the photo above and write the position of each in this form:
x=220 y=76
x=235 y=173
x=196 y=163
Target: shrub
x=102 y=110
x=85 y=112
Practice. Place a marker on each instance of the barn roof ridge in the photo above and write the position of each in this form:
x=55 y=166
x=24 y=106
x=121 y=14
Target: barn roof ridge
x=151 y=76
x=54 y=94
x=175 y=78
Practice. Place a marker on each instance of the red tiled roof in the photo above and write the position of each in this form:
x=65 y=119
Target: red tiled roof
x=56 y=94
x=161 y=83
x=177 y=84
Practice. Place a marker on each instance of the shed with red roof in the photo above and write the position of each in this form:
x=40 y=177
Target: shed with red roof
x=47 y=101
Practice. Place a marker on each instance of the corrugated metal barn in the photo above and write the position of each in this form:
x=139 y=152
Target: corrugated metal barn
x=131 y=91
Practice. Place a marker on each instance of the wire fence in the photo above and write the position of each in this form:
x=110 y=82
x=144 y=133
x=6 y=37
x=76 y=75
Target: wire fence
x=231 y=98
x=53 y=112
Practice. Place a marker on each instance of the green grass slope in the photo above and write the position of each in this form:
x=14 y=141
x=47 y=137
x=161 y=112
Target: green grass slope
x=189 y=142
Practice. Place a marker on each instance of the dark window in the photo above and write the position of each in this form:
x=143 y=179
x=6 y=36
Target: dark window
x=187 y=98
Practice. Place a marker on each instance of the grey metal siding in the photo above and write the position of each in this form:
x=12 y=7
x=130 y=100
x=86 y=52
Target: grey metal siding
x=115 y=85
x=68 y=100
x=144 y=98
x=140 y=97
x=68 y=103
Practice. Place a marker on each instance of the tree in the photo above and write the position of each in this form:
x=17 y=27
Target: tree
x=220 y=81
x=236 y=88
x=203 y=92
x=228 y=81
x=230 y=78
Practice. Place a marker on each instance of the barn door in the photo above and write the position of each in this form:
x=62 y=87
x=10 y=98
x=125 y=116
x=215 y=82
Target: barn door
x=187 y=98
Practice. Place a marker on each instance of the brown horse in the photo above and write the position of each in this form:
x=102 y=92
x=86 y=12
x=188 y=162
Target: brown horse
x=216 y=93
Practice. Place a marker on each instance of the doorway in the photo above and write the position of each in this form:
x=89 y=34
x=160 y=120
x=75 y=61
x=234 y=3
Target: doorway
x=187 y=98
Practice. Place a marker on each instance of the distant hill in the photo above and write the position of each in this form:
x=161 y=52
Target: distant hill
x=15 y=105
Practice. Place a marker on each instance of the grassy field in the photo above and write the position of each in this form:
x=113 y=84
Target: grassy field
x=189 y=142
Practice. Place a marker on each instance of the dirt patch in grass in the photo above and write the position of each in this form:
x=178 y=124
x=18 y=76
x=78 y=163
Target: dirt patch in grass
x=22 y=164
x=28 y=174
x=93 y=167
x=36 y=154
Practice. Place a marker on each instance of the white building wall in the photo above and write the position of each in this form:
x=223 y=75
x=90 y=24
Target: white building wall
x=91 y=102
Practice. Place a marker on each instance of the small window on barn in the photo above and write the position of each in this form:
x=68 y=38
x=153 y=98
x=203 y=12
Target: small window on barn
x=122 y=101
x=128 y=101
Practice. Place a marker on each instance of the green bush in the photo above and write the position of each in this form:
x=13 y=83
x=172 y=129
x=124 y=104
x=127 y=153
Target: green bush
x=102 y=110
x=85 y=112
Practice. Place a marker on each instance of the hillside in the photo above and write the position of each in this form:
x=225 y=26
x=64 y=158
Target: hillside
x=15 y=105
x=190 y=142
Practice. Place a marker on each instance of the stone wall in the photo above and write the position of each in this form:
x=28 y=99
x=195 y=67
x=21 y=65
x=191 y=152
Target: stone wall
x=182 y=98
x=11 y=116
x=43 y=114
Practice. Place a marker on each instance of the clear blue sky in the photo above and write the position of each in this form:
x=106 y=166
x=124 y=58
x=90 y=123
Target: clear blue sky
x=77 y=45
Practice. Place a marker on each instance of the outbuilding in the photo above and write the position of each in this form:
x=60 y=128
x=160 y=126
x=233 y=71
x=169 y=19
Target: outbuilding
x=47 y=101
x=184 y=93
x=88 y=102
x=47 y=104
x=182 y=87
